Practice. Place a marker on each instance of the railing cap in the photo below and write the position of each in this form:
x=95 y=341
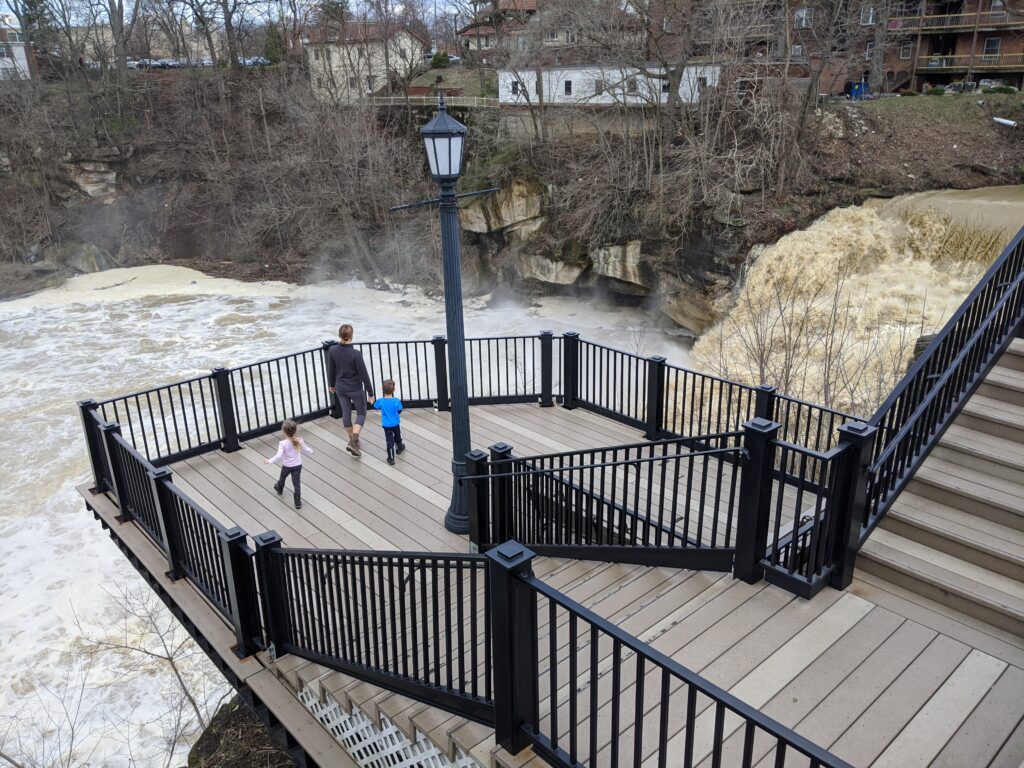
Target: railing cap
x=159 y=473
x=234 y=534
x=572 y=334
x=658 y=359
x=267 y=539
x=511 y=555
x=766 y=388
x=476 y=455
x=857 y=429
x=501 y=448
x=764 y=426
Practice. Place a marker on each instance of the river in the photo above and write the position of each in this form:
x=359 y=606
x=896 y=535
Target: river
x=121 y=331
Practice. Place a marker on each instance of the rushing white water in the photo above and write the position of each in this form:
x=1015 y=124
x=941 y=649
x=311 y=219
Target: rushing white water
x=121 y=331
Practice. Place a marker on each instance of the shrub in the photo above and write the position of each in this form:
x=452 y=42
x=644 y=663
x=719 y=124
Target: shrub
x=440 y=61
x=935 y=92
x=908 y=92
x=999 y=89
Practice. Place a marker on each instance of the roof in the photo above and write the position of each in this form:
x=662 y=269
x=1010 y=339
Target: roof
x=474 y=31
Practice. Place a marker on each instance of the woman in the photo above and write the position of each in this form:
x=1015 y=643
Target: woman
x=351 y=383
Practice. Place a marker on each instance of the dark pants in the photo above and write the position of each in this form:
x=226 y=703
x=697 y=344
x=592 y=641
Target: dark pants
x=350 y=401
x=296 y=473
x=394 y=436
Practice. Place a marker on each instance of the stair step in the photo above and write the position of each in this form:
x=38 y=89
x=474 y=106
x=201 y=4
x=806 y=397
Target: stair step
x=960 y=534
x=1014 y=356
x=961 y=585
x=980 y=494
x=986 y=453
x=1005 y=384
x=400 y=710
x=993 y=417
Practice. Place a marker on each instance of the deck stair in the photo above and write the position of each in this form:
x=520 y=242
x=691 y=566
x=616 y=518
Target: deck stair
x=956 y=535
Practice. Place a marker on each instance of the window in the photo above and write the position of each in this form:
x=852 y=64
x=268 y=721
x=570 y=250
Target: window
x=631 y=86
x=552 y=35
x=869 y=50
x=867 y=15
x=401 y=54
x=536 y=86
x=666 y=25
x=998 y=5
x=906 y=51
x=3 y=52
x=664 y=86
x=316 y=54
x=568 y=87
x=353 y=82
x=802 y=18
x=369 y=84
x=515 y=87
x=797 y=51
x=15 y=37
x=599 y=87
x=992 y=46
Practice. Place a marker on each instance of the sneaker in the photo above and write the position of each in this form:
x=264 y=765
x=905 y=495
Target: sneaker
x=400 y=449
x=298 y=503
x=279 y=489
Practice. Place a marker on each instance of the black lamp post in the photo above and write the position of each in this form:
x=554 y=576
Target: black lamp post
x=444 y=138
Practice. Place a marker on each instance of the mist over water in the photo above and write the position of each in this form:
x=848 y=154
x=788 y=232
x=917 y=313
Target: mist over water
x=125 y=330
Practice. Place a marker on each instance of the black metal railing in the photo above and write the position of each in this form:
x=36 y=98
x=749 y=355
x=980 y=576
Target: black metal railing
x=701 y=404
x=582 y=691
x=168 y=423
x=925 y=402
x=415 y=623
x=132 y=484
x=412 y=365
x=669 y=502
x=608 y=381
x=513 y=369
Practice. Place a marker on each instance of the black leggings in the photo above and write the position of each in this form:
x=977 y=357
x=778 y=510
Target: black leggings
x=349 y=401
x=296 y=473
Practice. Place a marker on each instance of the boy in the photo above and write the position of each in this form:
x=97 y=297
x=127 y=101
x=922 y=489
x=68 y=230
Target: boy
x=389 y=407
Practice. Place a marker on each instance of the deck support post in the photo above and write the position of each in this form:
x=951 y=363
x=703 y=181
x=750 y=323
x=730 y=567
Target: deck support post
x=501 y=496
x=546 y=369
x=272 y=595
x=655 y=396
x=755 y=499
x=107 y=432
x=240 y=576
x=478 y=497
x=226 y=407
x=764 y=402
x=570 y=368
x=87 y=409
x=850 y=499
x=441 y=372
x=514 y=635
x=333 y=409
x=170 y=525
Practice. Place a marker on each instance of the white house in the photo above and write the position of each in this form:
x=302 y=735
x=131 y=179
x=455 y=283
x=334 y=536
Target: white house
x=13 y=56
x=596 y=85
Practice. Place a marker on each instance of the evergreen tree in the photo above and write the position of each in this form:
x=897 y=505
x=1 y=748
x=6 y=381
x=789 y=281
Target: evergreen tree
x=273 y=49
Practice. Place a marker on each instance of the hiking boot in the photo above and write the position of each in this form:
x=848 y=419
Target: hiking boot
x=401 y=448
x=353 y=446
x=279 y=489
x=391 y=456
x=298 y=501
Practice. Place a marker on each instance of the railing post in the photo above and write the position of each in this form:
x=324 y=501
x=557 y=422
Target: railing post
x=441 y=372
x=478 y=497
x=226 y=406
x=764 y=402
x=514 y=635
x=570 y=368
x=170 y=525
x=850 y=499
x=241 y=582
x=332 y=400
x=92 y=439
x=655 y=396
x=272 y=593
x=107 y=432
x=755 y=499
x=501 y=495
x=546 y=369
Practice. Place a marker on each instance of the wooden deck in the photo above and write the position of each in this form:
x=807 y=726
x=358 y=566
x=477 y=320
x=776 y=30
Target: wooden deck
x=876 y=674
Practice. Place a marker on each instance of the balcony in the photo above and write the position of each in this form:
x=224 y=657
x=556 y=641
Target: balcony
x=1005 y=62
x=953 y=22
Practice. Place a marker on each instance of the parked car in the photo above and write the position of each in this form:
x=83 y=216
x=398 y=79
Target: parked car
x=454 y=60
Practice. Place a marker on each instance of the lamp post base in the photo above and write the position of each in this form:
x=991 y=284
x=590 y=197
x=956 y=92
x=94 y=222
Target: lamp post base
x=456 y=519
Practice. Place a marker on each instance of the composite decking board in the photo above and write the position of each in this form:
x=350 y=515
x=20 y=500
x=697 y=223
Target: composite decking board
x=983 y=734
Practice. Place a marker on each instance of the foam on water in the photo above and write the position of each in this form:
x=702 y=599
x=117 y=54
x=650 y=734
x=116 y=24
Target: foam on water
x=125 y=330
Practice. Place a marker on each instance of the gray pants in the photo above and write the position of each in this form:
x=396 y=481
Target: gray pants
x=349 y=401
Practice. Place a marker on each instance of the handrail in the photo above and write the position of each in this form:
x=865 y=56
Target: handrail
x=737 y=450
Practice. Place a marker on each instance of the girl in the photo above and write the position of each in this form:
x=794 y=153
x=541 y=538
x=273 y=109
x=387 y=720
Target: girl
x=290 y=451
